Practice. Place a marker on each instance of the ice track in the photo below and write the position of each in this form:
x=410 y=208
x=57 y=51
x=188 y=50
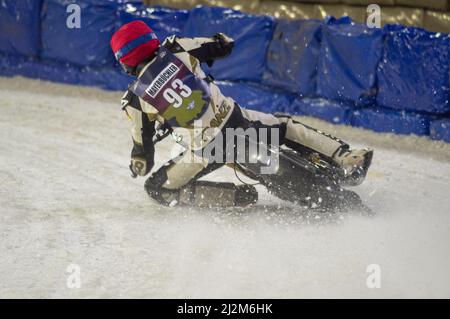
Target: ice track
x=66 y=197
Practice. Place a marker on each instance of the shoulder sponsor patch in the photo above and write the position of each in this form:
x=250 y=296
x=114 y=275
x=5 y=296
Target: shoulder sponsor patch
x=161 y=79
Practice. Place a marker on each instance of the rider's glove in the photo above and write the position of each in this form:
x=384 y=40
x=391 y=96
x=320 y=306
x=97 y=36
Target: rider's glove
x=138 y=167
x=223 y=47
x=224 y=40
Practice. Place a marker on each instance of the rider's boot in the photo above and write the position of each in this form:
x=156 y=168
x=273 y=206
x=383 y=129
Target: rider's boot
x=355 y=164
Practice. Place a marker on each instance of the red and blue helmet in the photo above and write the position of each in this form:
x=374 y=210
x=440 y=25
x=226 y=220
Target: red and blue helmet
x=133 y=43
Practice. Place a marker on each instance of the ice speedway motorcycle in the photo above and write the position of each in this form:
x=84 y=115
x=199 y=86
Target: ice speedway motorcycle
x=310 y=180
x=304 y=177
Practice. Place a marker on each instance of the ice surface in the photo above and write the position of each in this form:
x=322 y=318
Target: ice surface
x=66 y=197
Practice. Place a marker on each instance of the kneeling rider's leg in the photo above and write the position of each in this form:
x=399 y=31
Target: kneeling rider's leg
x=306 y=140
x=176 y=183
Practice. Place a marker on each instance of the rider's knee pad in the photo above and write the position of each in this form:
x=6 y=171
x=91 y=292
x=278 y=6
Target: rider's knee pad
x=154 y=187
x=214 y=194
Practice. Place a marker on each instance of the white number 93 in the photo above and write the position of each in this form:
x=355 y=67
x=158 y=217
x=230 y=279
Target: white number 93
x=175 y=98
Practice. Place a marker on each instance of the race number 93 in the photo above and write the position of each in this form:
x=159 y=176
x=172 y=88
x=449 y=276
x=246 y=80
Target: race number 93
x=176 y=94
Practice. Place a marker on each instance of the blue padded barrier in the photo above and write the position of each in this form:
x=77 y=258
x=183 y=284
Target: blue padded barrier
x=108 y=79
x=164 y=21
x=392 y=121
x=331 y=111
x=43 y=70
x=12 y=65
x=86 y=46
x=440 y=129
x=293 y=55
x=58 y=72
x=414 y=72
x=251 y=33
x=348 y=62
x=256 y=97
x=19 y=66
x=20 y=27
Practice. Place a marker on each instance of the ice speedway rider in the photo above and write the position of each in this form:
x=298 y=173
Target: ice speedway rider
x=172 y=92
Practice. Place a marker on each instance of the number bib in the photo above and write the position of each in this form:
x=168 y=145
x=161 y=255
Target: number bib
x=169 y=86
